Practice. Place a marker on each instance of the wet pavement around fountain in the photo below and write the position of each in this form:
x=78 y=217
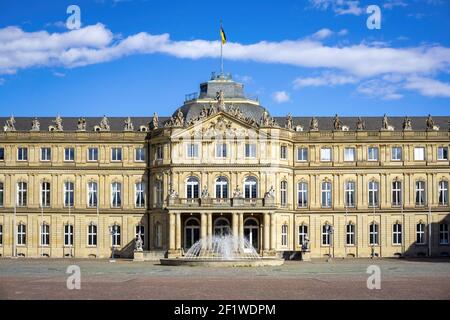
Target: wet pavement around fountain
x=318 y=279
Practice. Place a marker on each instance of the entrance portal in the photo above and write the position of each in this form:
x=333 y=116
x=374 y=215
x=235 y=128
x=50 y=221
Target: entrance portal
x=251 y=232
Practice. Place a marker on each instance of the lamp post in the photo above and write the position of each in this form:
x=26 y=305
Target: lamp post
x=112 y=231
x=330 y=235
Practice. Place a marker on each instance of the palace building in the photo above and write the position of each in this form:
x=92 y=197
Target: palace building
x=349 y=186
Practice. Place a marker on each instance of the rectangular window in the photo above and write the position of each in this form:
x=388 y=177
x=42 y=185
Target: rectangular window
x=92 y=154
x=250 y=150
x=68 y=235
x=350 y=194
x=284 y=192
x=326 y=233
x=302 y=154
x=373 y=194
x=45 y=234
x=350 y=234
x=92 y=235
x=396 y=154
x=92 y=194
x=46 y=154
x=22 y=194
x=139 y=154
x=116 y=195
x=443 y=233
x=68 y=194
x=22 y=154
x=325 y=154
x=372 y=154
x=302 y=194
x=140 y=195
x=326 y=194
x=302 y=234
x=159 y=152
x=283 y=152
x=159 y=192
x=116 y=154
x=373 y=234
x=192 y=150
x=397 y=234
x=2 y=154
x=21 y=234
x=442 y=153
x=396 y=193
x=2 y=194
x=349 y=154
x=45 y=194
x=221 y=150
x=420 y=233
x=420 y=193
x=140 y=232
x=419 y=154
x=443 y=193
x=284 y=235
x=69 y=154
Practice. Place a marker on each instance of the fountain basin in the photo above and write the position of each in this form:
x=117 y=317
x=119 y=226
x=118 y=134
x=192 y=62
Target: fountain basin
x=263 y=262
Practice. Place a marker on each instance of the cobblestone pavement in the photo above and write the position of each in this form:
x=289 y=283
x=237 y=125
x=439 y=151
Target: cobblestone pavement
x=339 y=279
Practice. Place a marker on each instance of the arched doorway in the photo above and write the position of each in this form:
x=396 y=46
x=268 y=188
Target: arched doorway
x=221 y=227
x=191 y=232
x=251 y=232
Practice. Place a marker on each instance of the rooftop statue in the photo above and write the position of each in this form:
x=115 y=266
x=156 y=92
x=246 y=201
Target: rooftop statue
x=35 y=125
x=58 y=124
x=360 y=125
x=81 y=124
x=314 y=124
x=430 y=124
x=104 y=124
x=337 y=123
x=9 y=126
x=155 y=121
x=407 y=124
x=385 y=124
x=220 y=100
x=128 y=125
x=289 y=122
x=265 y=119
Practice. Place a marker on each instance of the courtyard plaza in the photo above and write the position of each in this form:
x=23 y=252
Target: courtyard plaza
x=125 y=279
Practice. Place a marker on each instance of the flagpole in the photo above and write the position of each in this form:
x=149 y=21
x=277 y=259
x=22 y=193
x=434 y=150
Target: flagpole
x=221 y=50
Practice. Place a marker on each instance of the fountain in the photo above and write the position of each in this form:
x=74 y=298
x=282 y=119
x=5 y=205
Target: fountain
x=222 y=250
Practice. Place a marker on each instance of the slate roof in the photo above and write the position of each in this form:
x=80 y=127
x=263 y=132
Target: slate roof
x=325 y=123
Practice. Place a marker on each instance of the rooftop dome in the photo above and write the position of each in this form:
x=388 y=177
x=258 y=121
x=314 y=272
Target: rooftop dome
x=233 y=96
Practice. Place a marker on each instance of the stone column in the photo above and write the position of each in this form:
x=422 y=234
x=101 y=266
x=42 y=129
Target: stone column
x=178 y=231
x=235 y=226
x=241 y=226
x=171 y=232
x=203 y=225
x=266 y=230
x=273 y=233
x=209 y=232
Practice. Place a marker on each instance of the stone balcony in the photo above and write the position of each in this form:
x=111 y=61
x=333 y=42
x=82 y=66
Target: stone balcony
x=220 y=202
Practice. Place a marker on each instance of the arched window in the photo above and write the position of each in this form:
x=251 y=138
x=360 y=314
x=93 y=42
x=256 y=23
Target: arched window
x=22 y=194
x=326 y=194
x=221 y=227
x=283 y=193
x=284 y=235
x=191 y=232
x=68 y=194
x=45 y=234
x=21 y=234
x=373 y=233
x=443 y=193
x=92 y=234
x=397 y=233
x=251 y=232
x=302 y=194
x=192 y=189
x=222 y=188
x=115 y=235
x=92 y=194
x=116 y=194
x=139 y=197
x=68 y=234
x=350 y=194
x=250 y=188
x=350 y=234
x=326 y=234
x=373 y=193
x=302 y=233
x=45 y=194
x=420 y=233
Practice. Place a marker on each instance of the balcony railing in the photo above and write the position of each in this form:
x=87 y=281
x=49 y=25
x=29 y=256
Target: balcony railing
x=220 y=202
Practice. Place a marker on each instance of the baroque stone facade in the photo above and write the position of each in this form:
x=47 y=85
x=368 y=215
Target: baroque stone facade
x=349 y=186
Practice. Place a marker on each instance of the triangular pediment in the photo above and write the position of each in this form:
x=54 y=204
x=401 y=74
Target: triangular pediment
x=219 y=125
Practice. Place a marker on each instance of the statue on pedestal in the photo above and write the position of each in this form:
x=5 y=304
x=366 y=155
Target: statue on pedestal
x=205 y=193
x=138 y=244
x=155 y=121
x=270 y=193
x=237 y=193
x=35 y=125
x=289 y=122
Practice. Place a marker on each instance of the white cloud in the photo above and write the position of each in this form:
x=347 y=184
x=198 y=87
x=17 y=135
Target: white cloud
x=390 y=4
x=343 y=32
x=428 y=87
x=326 y=79
x=322 y=34
x=280 y=96
x=59 y=74
x=377 y=88
x=340 y=7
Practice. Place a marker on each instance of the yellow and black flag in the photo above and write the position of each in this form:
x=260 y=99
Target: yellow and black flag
x=222 y=35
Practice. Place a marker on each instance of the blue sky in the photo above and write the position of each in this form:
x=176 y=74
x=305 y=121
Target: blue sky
x=311 y=57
